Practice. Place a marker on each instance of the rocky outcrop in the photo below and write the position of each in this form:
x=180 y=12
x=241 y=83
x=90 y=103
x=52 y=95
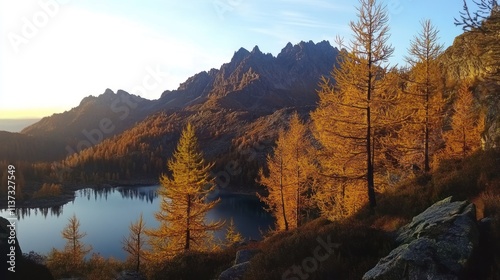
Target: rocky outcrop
x=9 y=249
x=476 y=56
x=130 y=275
x=241 y=264
x=12 y=258
x=437 y=244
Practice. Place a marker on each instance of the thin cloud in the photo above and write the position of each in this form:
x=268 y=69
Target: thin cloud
x=300 y=19
x=321 y=4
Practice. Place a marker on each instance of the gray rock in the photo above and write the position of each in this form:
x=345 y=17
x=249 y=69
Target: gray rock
x=130 y=275
x=438 y=219
x=437 y=244
x=245 y=255
x=241 y=264
x=235 y=272
x=8 y=240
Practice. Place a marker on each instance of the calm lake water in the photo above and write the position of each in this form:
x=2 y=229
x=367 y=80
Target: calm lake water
x=106 y=214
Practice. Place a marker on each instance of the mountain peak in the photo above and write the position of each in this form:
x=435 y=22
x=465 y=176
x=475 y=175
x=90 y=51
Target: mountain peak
x=240 y=55
x=303 y=49
x=256 y=50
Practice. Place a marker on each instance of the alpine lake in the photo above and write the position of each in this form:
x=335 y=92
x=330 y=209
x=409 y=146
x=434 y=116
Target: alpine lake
x=106 y=214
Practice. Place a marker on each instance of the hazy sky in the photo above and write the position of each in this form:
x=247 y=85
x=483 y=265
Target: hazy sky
x=54 y=52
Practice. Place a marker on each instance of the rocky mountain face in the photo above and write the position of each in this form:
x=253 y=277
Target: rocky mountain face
x=117 y=107
x=95 y=119
x=476 y=56
x=254 y=81
x=219 y=101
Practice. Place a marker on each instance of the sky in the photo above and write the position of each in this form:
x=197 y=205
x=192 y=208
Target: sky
x=53 y=53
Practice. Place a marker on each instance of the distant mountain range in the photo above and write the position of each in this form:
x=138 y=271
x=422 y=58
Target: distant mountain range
x=15 y=125
x=233 y=107
x=236 y=109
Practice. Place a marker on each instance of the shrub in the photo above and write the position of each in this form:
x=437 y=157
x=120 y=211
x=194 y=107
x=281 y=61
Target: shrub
x=100 y=268
x=192 y=265
x=360 y=249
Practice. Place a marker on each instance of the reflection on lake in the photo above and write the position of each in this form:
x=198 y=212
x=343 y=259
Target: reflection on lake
x=105 y=215
x=145 y=194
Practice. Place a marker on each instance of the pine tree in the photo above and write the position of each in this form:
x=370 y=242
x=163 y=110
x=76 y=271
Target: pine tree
x=134 y=243
x=276 y=184
x=347 y=120
x=466 y=128
x=184 y=203
x=74 y=248
x=288 y=176
x=232 y=234
x=422 y=135
x=299 y=167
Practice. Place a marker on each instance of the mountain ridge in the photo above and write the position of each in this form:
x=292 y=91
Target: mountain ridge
x=250 y=81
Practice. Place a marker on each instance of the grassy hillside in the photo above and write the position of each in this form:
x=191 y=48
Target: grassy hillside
x=367 y=237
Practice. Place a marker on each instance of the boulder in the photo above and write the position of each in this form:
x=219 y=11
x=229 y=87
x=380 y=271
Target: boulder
x=24 y=268
x=130 y=275
x=241 y=265
x=8 y=241
x=436 y=244
x=235 y=272
x=245 y=255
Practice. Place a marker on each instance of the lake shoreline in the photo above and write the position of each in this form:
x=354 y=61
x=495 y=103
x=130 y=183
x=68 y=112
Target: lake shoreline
x=106 y=212
x=68 y=194
x=71 y=188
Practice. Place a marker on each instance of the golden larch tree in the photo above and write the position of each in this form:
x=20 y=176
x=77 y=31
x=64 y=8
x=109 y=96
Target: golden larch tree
x=135 y=242
x=74 y=249
x=348 y=118
x=466 y=125
x=233 y=236
x=421 y=136
x=288 y=176
x=184 y=202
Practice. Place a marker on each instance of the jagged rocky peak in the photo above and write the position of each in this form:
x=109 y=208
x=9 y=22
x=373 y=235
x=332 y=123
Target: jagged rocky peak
x=304 y=49
x=241 y=54
x=108 y=93
x=256 y=50
x=201 y=78
x=122 y=92
x=87 y=100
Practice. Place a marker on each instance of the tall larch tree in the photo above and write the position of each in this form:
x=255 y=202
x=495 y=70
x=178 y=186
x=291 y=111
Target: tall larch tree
x=287 y=181
x=422 y=135
x=134 y=244
x=75 y=249
x=346 y=120
x=184 y=202
x=466 y=125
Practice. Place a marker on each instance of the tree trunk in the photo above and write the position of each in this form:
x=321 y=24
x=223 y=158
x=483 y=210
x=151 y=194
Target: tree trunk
x=427 y=167
x=188 y=232
x=282 y=194
x=369 y=162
